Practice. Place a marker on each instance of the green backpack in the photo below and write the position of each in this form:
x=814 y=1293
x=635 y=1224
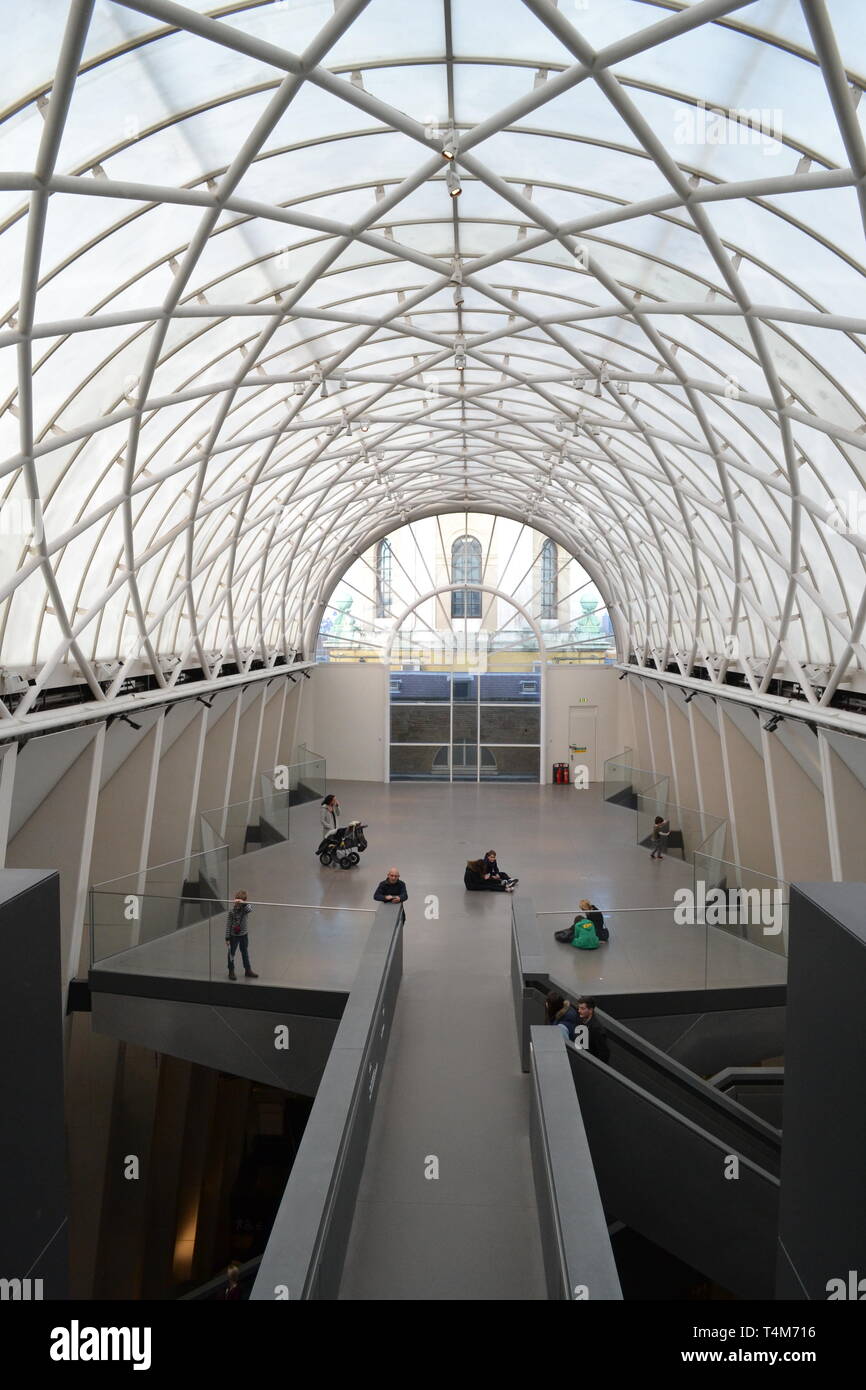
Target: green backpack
x=584 y=937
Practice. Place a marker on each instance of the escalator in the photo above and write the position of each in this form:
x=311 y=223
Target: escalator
x=681 y=1162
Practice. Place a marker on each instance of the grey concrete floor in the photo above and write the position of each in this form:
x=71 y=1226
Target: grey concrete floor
x=452 y=1090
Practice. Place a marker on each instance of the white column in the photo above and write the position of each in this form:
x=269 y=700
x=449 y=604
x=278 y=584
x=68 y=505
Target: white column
x=201 y=735
x=230 y=767
x=285 y=684
x=729 y=791
x=94 y=751
x=825 y=754
x=649 y=730
x=771 y=801
x=254 y=789
x=696 y=760
x=149 y=803
x=676 y=780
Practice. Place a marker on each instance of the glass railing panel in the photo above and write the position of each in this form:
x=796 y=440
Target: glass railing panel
x=302 y=945
x=661 y=948
x=616 y=775
x=130 y=931
x=202 y=874
x=740 y=905
x=690 y=830
x=273 y=812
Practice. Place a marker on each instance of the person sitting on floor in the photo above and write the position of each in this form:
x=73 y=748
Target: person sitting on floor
x=592 y=914
x=477 y=878
x=595 y=1038
x=473 y=876
x=497 y=878
x=561 y=1012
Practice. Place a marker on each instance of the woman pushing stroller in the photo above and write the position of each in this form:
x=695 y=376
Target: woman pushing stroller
x=339 y=846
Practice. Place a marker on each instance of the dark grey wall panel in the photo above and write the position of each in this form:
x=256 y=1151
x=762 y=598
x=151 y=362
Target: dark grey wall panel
x=307 y=1246
x=33 y=1232
x=240 y=1041
x=578 y=1259
x=667 y=1080
x=665 y=1177
x=708 y=1041
x=822 y=1228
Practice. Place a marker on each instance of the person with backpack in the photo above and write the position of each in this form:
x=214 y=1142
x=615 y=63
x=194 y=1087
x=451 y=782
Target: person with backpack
x=237 y=935
x=584 y=937
x=592 y=914
x=581 y=933
x=660 y=832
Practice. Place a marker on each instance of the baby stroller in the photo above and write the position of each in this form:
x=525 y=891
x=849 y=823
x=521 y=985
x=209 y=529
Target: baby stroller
x=343 y=846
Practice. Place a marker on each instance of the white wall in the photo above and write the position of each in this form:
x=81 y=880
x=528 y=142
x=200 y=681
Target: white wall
x=349 y=703
x=598 y=685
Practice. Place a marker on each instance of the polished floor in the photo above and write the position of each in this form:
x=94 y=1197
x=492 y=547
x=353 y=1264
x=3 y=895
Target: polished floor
x=309 y=924
x=446 y=1208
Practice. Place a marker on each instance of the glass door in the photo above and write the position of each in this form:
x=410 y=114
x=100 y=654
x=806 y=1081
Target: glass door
x=466 y=725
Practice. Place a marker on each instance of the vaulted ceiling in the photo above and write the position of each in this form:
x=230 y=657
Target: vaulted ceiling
x=279 y=277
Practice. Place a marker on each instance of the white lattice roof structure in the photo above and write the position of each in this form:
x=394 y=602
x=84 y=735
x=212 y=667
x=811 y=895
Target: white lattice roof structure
x=279 y=277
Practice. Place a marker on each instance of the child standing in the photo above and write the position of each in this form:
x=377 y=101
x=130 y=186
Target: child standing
x=237 y=935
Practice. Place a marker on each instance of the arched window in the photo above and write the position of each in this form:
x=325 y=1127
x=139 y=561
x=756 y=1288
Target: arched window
x=466 y=569
x=549 y=586
x=383 y=579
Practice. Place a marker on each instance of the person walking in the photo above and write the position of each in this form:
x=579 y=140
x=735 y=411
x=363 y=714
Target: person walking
x=660 y=832
x=392 y=889
x=232 y=1291
x=237 y=935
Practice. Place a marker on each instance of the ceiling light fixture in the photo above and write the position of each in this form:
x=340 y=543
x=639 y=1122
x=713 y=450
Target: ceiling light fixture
x=449 y=144
x=452 y=180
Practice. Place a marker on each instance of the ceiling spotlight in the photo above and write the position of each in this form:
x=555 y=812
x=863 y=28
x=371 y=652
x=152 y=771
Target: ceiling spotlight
x=449 y=145
x=772 y=723
x=298 y=388
x=452 y=180
x=458 y=295
x=324 y=391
